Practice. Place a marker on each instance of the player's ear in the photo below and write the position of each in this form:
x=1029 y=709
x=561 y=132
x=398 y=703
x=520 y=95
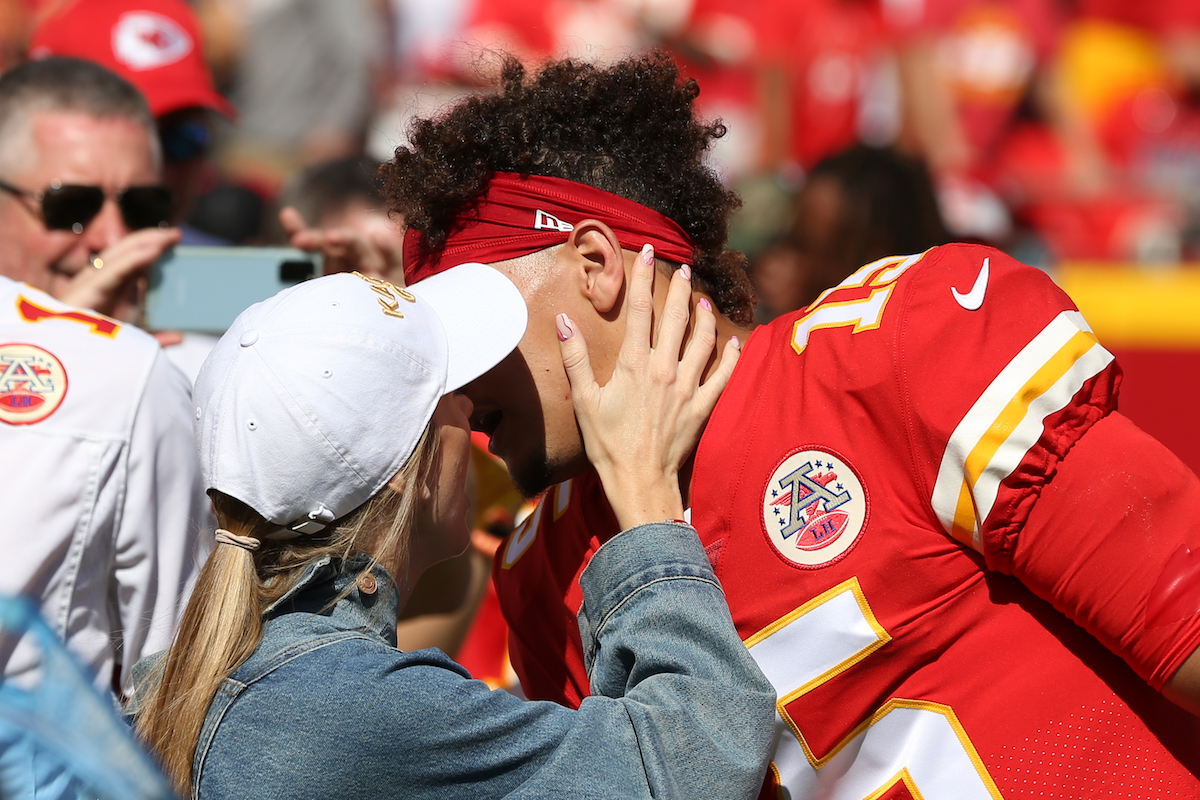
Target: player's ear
x=601 y=262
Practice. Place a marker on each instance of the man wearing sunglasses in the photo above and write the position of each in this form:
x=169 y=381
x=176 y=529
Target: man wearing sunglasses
x=98 y=476
x=157 y=46
x=82 y=207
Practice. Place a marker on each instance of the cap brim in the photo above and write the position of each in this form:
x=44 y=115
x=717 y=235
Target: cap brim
x=483 y=316
x=164 y=101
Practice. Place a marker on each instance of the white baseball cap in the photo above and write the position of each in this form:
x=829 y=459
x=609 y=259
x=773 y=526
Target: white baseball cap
x=313 y=399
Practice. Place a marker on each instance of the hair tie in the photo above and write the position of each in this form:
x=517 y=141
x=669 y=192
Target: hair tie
x=244 y=542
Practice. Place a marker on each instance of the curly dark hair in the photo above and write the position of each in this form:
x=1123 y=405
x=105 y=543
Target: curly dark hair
x=628 y=129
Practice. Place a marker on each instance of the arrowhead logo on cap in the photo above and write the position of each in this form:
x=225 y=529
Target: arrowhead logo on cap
x=144 y=40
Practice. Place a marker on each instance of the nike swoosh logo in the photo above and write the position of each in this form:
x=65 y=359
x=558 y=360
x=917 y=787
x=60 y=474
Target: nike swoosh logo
x=973 y=300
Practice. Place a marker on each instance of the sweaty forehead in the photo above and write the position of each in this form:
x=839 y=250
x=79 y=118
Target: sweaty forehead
x=75 y=147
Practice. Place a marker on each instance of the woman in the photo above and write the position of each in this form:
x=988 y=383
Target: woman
x=335 y=451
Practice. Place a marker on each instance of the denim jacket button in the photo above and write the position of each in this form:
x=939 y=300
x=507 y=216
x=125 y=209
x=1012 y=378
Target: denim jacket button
x=366 y=583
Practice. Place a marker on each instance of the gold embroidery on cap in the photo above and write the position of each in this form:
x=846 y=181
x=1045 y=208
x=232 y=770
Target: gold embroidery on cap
x=390 y=309
x=387 y=300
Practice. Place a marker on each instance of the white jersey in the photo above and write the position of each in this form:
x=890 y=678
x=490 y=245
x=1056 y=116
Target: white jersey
x=99 y=482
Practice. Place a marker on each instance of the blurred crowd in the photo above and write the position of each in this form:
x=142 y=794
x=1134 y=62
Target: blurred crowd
x=1054 y=129
x=1057 y=130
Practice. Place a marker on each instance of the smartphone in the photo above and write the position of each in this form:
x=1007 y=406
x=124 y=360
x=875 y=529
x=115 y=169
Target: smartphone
x=203 y=289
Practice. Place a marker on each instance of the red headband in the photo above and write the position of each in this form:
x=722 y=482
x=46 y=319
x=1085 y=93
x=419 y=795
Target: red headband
x=519 y=215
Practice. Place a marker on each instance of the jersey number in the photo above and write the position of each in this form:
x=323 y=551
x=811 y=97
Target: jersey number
x=520 y=539
x=917 y=743
x=862 y=313
x=32 y=312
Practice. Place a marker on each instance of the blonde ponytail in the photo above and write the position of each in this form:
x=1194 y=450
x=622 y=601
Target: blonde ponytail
x=222 y=624
x=220 y=629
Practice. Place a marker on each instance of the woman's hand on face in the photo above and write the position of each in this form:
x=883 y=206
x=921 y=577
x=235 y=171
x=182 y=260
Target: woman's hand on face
x=642 y=425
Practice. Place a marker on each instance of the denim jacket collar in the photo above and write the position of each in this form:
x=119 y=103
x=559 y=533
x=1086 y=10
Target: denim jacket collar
x=305 y=619
x=373 y=613
x=372 y=605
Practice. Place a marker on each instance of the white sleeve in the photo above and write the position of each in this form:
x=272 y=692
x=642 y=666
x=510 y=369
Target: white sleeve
x=165 y=523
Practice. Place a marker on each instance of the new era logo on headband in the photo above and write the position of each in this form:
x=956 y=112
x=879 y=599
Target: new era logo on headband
x=544 y=221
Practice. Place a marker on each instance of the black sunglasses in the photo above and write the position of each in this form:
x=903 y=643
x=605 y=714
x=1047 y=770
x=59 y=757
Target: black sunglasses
x=70 y=207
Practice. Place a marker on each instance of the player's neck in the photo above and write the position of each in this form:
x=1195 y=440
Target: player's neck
x=725 y=331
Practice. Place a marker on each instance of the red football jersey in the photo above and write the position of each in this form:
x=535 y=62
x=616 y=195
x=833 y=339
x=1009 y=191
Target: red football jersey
x=537 y=581
x=866 y=487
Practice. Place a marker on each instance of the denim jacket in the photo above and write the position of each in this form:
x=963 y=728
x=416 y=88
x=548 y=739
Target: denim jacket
x=326 y=707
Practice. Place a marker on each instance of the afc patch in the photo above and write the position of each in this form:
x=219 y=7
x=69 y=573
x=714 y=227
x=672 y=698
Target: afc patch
x=33 y=384
x=814 y=508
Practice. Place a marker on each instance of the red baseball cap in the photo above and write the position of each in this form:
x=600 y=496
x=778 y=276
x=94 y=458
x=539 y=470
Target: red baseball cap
x=153 y=44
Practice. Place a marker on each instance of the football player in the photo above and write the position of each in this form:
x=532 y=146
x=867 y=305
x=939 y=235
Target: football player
x=964 y=571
